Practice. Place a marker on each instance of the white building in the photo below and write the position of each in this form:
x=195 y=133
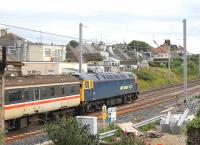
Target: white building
x=51 y=68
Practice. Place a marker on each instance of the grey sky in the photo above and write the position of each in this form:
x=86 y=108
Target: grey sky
x=109 y=20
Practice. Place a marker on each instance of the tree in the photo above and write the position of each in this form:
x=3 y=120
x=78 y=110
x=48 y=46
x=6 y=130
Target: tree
x=68 y=131
x=139 y=46
x=73 y=43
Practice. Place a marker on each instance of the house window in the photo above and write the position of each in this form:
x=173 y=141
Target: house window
x=58 y=55
x=47 y=52
x=50 y=72
x=12 y=51
x=33 y=71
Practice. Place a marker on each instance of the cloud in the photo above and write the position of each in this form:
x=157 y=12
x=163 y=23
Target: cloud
x=111 y=20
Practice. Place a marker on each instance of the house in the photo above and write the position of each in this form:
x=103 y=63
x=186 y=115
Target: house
x=161 y=52
x=51 y=68
x=13 y=67
x=16 y=45
x=46 y=52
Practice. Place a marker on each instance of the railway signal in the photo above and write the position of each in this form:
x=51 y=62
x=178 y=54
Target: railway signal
x=104 y=115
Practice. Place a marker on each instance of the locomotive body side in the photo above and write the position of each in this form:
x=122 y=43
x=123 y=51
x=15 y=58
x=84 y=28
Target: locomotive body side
x=108 y=88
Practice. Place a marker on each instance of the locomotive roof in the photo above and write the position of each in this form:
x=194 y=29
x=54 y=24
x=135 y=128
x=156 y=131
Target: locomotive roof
x=39 y=80
x=106 y=76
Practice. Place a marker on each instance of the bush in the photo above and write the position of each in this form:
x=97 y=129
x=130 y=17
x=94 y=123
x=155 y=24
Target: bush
x=195 y=123
x=145 y=76
x=127 y=139
x=198 y=113
x=69 y=132
x=1 y=138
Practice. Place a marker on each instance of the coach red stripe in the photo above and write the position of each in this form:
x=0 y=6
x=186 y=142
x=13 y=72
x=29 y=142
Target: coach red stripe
x=39 y=102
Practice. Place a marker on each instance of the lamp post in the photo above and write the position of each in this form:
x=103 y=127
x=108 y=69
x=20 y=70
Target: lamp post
x=80 y=46
x=2 y=77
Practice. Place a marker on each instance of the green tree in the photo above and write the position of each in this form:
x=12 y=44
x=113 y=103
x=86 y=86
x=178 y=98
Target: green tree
x=68 y=131
x=139 y=45
x=73 y=43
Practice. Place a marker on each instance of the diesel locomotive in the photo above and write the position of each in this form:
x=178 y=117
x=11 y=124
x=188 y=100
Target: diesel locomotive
x=30 y=100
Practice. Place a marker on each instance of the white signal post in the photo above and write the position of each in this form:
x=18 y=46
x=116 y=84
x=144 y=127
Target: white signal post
x=80 y=47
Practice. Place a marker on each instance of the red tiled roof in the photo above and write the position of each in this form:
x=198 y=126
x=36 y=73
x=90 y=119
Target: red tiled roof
x=159 y=50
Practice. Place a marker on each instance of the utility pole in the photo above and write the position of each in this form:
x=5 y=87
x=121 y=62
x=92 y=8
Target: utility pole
x=185 y=63
x=169 y=61
x=137 y=55
x=80 y=46
x=2 y=77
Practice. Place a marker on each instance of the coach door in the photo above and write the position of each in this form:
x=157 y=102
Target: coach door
x=89 y=88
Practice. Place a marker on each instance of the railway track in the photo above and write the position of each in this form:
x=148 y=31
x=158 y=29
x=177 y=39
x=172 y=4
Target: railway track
x=147 y=99
x=23 y=133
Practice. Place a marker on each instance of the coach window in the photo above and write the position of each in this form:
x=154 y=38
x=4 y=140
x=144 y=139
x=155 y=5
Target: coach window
x=52 y=91
x=15 y=96
x=62 y=90
x=72 y=90
x=36 y=94
x=43 y=93
x=26 y=95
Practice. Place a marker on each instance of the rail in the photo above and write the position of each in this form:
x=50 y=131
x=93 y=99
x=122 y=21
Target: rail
x=148 y=121
x=107 y=134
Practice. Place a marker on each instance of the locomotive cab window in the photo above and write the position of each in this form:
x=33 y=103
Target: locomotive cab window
x=86 y=85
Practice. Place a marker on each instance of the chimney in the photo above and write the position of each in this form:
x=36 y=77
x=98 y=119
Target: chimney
x=3 y=32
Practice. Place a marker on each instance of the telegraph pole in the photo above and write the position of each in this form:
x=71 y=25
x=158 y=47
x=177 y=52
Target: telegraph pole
x=169 y=60
x=185 y=63
x=80 y=46
x=199 y=64
x=2 y=77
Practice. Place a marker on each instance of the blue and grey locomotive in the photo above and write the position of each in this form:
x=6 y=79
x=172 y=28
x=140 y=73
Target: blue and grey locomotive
x=107 y=88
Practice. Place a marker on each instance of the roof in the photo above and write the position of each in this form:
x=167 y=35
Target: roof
x=73 y=55
x=92 y=57
x=159 y=50
x=10 y=59
x=39 y=80
x=129 y=62
x=102 y=76
x=9 y=39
